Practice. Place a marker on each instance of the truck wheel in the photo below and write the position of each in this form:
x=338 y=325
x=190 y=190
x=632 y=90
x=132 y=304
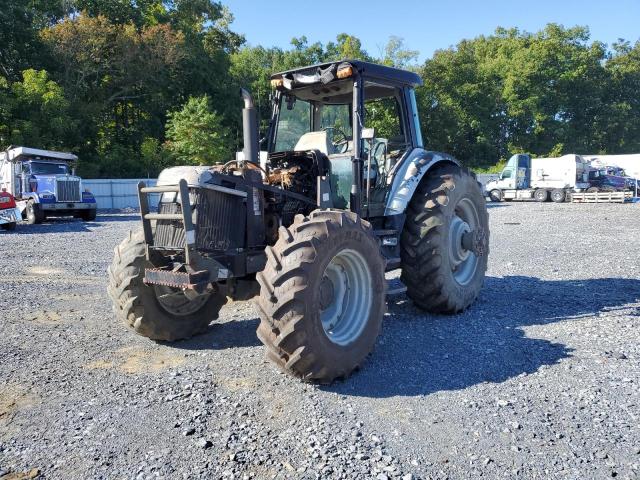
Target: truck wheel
x=88 y=215
x=8 y=226
x=593 y=190
x=558 y=195
x=35 y=214
x=444 y=243
x=541 y=195
x=322 y=296
x=155 y=312
x=495 y=195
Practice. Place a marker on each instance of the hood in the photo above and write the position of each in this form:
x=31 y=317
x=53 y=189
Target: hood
x=194 y=175
x=614 y=180
x=47 y=182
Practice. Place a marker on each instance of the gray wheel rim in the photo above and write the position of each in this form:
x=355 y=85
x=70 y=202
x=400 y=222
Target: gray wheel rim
x=346 y=297
x=175 y=302
x=464 y=263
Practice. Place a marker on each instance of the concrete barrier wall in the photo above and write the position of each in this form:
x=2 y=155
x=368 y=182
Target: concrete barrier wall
x=119 y=193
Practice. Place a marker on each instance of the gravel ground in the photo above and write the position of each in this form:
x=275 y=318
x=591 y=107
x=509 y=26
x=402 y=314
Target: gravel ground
x=539 y=379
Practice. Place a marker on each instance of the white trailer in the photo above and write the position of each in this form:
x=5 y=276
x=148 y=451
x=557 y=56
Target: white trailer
x=526 y=178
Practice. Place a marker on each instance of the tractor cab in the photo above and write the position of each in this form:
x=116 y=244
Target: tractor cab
x=359 y=118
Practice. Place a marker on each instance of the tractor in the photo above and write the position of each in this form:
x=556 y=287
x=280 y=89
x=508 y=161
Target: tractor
x=307 y=221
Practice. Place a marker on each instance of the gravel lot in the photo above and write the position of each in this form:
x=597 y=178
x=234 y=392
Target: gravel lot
x=539 y=379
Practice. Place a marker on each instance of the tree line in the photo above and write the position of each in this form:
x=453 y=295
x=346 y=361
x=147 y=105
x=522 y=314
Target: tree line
x=133 y=86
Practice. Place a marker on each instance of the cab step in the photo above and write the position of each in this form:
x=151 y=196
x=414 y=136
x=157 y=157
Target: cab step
x=395 y=287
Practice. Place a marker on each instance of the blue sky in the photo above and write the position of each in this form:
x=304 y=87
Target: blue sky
x=428 y=25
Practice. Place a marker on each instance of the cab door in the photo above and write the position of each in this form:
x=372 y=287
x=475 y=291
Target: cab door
x=507 y=179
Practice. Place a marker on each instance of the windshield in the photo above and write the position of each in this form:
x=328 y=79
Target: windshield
x=293 y=122
x=304 y=125
x=46 y=168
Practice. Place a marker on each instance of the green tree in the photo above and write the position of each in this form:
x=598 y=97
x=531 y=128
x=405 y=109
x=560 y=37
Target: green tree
x=515 y=92
x=396 y=54
x=35 y=112
x=196 y=135
x=617 y=129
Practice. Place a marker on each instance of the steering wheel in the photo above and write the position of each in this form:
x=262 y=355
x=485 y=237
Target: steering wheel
x=339 y=139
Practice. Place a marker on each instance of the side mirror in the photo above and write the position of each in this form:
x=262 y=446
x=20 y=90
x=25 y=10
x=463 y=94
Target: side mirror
x=368 y=133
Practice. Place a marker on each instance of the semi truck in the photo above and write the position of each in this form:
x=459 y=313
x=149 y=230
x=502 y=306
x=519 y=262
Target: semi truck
x=44 y=184
x=527 y=178
x=629 y=163
x=627 y=166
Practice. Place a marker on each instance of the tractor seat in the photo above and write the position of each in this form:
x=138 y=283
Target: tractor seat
x=315 y=141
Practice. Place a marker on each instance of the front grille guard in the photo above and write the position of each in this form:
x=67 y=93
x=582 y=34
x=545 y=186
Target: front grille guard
x=182 y=189
x=192 y=278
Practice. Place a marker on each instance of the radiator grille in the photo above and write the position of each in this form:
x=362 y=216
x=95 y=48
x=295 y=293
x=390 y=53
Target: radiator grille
x=219 y=220
x=68 y=190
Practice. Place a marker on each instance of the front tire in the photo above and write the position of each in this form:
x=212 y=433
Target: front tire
x=495 y=195
x=35 y=215
x=446 y=211
x=322 y=296
x=158 y=313
x=88 y=215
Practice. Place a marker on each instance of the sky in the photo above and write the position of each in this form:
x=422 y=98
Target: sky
x=428 y=25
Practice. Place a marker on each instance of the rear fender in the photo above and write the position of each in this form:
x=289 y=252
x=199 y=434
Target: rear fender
x=408 y=175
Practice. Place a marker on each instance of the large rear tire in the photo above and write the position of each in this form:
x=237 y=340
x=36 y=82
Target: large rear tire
x=322 y=296
x=444 y=244
x=158 y=313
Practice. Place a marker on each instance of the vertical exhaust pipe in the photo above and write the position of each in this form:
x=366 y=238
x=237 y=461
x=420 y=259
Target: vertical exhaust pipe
x=249 y=128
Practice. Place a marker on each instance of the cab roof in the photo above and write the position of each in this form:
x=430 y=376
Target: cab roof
x=26 y=153
x=368 y=70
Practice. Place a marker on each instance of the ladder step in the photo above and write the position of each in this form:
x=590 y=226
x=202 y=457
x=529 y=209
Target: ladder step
x=397 y=291
x=393 y=262
x=395 y=287
x=163 y=216
x=385 y=233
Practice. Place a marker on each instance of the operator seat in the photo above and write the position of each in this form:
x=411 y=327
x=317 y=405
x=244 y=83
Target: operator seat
x=315 y=141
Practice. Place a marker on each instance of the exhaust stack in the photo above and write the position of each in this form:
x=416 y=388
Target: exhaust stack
x=249 y=128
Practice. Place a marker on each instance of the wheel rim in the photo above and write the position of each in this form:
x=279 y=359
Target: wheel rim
x=345 y=297
x=176 y=302
x=464 y=262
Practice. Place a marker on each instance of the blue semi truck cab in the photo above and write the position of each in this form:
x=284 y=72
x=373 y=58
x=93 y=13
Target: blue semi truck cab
x=44 y=184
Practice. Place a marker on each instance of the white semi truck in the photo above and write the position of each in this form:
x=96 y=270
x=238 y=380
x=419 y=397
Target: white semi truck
x=44 y=184
x=526 y=178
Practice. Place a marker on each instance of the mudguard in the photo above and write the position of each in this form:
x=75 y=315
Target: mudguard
x=407 y=177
